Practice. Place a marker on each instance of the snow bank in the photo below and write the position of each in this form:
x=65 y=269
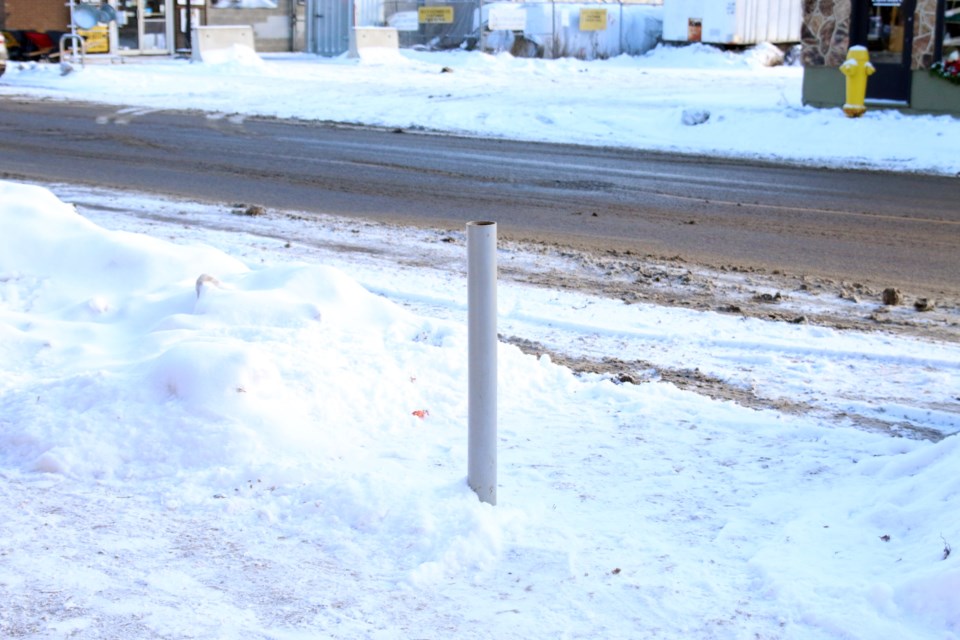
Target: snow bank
x=274 y=451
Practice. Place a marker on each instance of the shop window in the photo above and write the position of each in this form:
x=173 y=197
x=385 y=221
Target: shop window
x=244 y=4
x=885 y=33
x=951 y=24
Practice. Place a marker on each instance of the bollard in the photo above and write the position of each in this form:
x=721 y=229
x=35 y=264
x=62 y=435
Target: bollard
x=857 y=69
x=482 y=357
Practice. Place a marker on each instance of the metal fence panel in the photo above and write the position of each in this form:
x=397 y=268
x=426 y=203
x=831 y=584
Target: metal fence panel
x=329 y=26
x=539 y=29
x=585 y=30
x=434 y=24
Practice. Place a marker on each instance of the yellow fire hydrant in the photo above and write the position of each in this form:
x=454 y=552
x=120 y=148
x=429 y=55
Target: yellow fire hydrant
x=857 y=68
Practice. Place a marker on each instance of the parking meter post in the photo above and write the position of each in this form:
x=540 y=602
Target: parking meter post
x=482 y=357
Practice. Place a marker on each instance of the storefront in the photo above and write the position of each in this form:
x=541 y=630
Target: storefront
x=132 y=27
x=162 y=26
x=156 y=26
x=159 y=27
x=144 y=26
x=904 y=38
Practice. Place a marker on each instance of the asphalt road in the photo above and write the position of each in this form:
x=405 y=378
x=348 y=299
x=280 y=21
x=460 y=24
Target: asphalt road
x=874 y=227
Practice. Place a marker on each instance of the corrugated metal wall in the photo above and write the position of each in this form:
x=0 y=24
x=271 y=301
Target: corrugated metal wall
x=767 y=21
x=328 y=26
x=370 y=13
x=732 y=21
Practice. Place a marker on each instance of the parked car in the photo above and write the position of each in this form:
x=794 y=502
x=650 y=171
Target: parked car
x=3 y=54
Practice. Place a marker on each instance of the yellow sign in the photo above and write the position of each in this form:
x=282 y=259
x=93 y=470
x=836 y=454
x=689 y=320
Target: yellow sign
x=96 y=38
x=435 y=15
x=593 y=19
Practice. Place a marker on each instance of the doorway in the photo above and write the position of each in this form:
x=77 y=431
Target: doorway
x=144 y=26
x=885 y=28
x=189 y=14
x=328 y=26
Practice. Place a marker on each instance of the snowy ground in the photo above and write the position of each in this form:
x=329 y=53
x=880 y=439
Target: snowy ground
x=246 y=463
x=243 y=460
x=647 y=102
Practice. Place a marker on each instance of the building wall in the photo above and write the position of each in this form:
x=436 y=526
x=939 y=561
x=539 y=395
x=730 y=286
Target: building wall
x=934 y=95
x=924 y=34
x=825 y=87
x=37 y=15
x=272 y=28
x=825 y=33
x=825 y=39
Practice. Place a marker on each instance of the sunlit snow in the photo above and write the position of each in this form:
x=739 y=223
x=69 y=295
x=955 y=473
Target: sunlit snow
x=217 y=436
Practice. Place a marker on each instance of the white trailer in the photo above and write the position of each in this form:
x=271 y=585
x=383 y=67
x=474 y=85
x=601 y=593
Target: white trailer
x=737 y=22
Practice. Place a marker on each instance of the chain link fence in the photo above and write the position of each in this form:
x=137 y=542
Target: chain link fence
x=540 y=29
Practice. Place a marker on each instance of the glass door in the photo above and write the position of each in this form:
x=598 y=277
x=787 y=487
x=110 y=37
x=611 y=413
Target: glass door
x=128 y=25
x=951 y=27
x=143 y=26
x=154 y=38
x=186 y=20
x=885 y=28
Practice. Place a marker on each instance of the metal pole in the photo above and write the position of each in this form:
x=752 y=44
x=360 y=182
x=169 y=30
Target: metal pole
x=482 y=355
x=553 y=19
x=481 y=39
x=292 y=43
x=73 y=33
x=621 y=29
x=310 y=26
x=189 y=27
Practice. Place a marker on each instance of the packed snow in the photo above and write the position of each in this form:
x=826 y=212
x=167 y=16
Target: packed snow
x=225 y=435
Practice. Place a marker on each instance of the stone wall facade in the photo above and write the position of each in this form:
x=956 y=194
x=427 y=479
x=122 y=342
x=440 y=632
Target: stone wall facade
x=924 y=34
x=825 y=32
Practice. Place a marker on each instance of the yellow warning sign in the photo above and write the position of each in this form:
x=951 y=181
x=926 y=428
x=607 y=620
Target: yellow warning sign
x=96 y=38
x=593 y=19
x=435 y=15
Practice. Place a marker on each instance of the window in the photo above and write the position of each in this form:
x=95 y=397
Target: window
x=244 y=4
x=951 y=27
